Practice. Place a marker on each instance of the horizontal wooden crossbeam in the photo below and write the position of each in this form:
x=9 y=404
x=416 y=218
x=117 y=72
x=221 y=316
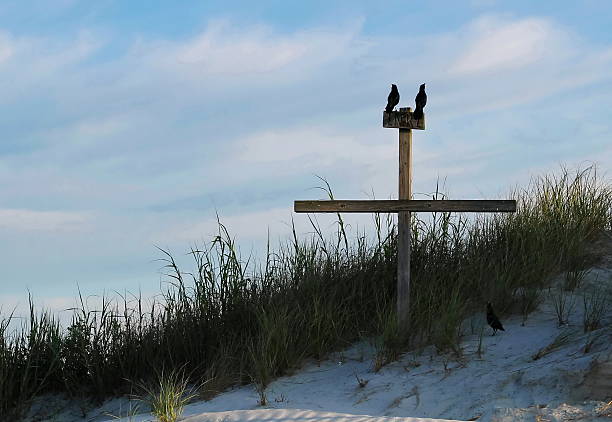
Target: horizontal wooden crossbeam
x=413 y=205
x=402 y=120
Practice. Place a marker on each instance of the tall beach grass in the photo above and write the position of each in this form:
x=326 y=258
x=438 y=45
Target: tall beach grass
x=231 y=321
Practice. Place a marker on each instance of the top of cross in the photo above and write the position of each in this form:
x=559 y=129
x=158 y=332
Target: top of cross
x=403 y=119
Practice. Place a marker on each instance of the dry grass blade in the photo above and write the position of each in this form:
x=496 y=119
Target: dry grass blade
x=605 y=410
x=558 y=342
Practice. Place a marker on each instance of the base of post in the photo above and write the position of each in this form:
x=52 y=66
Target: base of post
x=403 y=271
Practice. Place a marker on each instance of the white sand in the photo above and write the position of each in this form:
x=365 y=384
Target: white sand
x=295 y=415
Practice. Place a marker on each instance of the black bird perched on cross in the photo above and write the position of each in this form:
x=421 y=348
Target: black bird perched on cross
x=492 y=319
x=393 y=99
x=421 y=101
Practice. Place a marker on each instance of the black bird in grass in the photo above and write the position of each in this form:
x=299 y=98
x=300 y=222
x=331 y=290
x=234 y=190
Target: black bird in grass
x=421 y=101
x=492 y=319
x=393 y=99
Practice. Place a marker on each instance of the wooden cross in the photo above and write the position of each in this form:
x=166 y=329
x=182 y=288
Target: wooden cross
x=404 y=206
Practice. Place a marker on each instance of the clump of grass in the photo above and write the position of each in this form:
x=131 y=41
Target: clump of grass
x=594 y=302
x=564 y=304
x=272 y=351
x=574 y=278
x=447 y=332
x=529 y=300
x=588 y=344
x=29 y=360
x=168 y=396
x=390 y=342
x=235 y=321
x=480 y=348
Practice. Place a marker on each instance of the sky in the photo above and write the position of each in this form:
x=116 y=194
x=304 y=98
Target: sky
x=130 y=125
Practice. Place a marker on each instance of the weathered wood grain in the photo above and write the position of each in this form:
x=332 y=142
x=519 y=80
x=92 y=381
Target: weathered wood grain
x=414 y=205
x=402 y=120
x=404 y=244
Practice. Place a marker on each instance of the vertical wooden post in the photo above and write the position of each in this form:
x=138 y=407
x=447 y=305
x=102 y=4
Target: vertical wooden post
x=403 y=230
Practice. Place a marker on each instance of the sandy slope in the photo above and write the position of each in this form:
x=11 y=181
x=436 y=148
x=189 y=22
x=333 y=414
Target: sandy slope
x=296 y=415
x=504 y=383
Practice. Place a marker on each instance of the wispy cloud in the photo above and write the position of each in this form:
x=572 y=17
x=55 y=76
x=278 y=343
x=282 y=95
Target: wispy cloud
x=494 y=45
x=306 y=149
x=49 y=221
x=220 y=50
x=6 y=47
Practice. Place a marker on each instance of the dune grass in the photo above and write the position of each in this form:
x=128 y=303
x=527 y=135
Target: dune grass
x=231 y=321
x=168 y=396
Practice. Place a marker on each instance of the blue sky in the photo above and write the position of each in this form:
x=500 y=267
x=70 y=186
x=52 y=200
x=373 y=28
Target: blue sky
x=129 y=124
